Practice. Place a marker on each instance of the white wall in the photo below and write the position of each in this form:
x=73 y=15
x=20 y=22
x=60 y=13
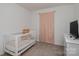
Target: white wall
x=12 y=18
x=63 y=16
x=35 y=25
x=77 y=11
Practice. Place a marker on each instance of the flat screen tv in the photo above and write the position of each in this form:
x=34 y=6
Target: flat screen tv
x=74 y=28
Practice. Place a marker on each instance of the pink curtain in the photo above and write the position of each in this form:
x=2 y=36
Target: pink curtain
x=47 y=27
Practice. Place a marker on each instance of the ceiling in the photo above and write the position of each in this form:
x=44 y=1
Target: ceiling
x=37 y=6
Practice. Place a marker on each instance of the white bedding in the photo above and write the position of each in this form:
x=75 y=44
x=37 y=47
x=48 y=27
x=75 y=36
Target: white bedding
x=21 y=44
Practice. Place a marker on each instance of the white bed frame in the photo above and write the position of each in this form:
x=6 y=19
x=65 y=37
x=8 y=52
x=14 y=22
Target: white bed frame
x=16 y=53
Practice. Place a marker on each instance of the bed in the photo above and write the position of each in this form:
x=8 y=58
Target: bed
x=18 y=43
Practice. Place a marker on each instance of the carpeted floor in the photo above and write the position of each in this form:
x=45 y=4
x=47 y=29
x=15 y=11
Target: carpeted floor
x=43 y=49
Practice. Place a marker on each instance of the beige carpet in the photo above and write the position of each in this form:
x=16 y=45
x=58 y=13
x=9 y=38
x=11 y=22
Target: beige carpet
x=43 y=49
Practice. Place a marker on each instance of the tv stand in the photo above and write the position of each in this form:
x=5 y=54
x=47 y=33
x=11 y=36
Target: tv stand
x=71 y=45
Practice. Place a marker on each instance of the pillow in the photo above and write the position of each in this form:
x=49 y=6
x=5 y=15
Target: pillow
x=25 y=31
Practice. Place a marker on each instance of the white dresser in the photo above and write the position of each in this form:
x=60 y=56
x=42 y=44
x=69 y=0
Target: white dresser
x=71 y=46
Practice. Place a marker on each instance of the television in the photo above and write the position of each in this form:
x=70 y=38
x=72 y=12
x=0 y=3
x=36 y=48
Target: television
x=74 y=28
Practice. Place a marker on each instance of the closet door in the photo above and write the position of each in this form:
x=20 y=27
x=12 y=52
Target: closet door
x=47 y=27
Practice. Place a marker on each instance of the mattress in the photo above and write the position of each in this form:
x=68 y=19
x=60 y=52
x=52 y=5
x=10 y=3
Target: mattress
x=21 y=44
